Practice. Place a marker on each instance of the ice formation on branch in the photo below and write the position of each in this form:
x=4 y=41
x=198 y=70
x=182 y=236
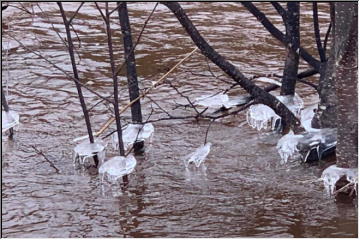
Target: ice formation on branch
x=9 y=120
x=287 y=145
x=117 y=167
x=307 y=115
x=198 y=156
x=317 y=143
x=84 y=151
x=333 y=173
x=260 y=116
x=132 y=133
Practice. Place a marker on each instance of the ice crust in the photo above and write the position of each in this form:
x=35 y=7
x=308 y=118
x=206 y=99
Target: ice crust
x=85 y=150
x=198 y=156
x=293 y=103
x=287 y=145
x=333 y=173
x=117 y=167
x=9 y=120
x=268 y=80
x=132 y=133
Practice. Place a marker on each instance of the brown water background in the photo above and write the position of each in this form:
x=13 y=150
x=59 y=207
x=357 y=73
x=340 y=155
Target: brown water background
x=244 y=192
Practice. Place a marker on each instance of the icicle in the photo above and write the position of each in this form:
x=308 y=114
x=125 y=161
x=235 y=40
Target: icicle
x=198 y=156
x=287 y=146
x=333 y=173
x=117 y=167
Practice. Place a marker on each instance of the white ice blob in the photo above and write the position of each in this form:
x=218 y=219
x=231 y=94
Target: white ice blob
x=117 y=167
x=86 y=150
x=287 y=145
x=260 y=116
x=198 y=156
x=234 y=101
x=132 y=133
x=9 y=120
x=333 y=173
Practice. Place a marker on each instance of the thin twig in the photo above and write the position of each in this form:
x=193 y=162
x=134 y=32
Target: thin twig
x=76 y=12
x=157 y=83
x=46 y=159
x=207 y=131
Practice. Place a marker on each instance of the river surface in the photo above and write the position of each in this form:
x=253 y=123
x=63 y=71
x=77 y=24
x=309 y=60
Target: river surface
x=244 y=190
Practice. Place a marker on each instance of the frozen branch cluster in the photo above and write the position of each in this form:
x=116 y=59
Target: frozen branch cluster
x=332 y=174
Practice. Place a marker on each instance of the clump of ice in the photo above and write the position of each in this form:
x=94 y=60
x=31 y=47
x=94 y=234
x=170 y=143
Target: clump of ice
x=117 y=167
x=198 y=156
x=260 y=116
x=132 y=133
x=293 y=102
x=287 y=145
x=84 y=151
x=333 y=173
x=9 y=120
x=212 y=101
x=234 y=101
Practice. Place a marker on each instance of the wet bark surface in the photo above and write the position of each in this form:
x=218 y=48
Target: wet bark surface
x=346 y=45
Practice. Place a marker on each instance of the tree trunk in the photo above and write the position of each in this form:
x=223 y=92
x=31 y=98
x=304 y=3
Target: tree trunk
x=131 y=70
x=346 y=33
x=257 y=92
x=292 y=60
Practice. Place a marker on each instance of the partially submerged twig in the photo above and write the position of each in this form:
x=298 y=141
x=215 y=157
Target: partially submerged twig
x=46 y=158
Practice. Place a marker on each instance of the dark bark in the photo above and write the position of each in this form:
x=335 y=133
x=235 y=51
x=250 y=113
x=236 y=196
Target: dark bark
x=346 y=33
x=326 y=115
x=292 y=25
x=317 y=33
x=131 y=70
x=76 y=76
x=279 y=35
x=257 y=92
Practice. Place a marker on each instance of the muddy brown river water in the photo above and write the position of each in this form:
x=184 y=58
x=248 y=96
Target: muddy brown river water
x=245 y=191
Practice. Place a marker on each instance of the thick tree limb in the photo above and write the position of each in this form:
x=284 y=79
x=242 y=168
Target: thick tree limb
x=317 y=33
x=279 y=35
x=260 y=95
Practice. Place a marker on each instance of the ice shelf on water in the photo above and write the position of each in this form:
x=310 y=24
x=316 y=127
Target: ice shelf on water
x=117 y=167
x=221 y=100
x=212 y=101
x=333 y=173
x=198 y=156
x=9 y=120
x=86 y=150
x=268 y=80
x=132 y=133
x=260 y=116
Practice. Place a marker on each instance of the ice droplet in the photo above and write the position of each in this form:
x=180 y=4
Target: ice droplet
x=198 y=156
x=333 y=173
x=9 y=120
x=132 y=133
x=117 y=167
